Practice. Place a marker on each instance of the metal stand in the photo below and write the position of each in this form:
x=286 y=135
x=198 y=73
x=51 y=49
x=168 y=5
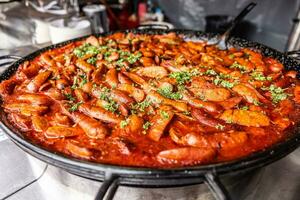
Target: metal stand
x=111 y=183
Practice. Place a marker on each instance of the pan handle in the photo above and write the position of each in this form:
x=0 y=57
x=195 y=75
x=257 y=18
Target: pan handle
x=293 y=54
x=216 y=187
x=8 y=59
x=108 y=187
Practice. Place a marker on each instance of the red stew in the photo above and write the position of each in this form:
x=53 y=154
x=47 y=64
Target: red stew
x=152 y=101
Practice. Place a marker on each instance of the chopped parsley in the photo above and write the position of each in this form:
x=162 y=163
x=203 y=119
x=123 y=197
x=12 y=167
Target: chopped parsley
x=187 y=113
x=75 y=82
x=132 y=58
x=220 y=127
x=211 y=72
x=75 y=106
x=256 y=103
x=107 y=54
x=164 y=114
x=124 y=53
x=56 y=77
x=104 y=95
x=244 y=108
x=224 y=83
x=69 y=97
x=120 y=62
x=86 y=49
x=167 y=92
x=183 y=76
x=202 y=97
x=277 y=93
x=83 y=80
x=124 y=123
x=231 y=56
x=111 y=106
x=123 y=56
x=259 y=76
x=92 y=60
x=238 y=66
x=147 y=125
x=141 y=106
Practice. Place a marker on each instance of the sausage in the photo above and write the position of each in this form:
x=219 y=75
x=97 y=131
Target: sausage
x=246 y=118
x=92 y=128
x=111 y=78
x=100 y=113
x=136 y=93
x=157 y=98
x=26 y=109
x=153 y=72
x=205 y=119
x=84 y=66
x=37 y=81
x=35 y=99
x=158 y=124
x=186 y=155
x=78 y=151
x=54 y=132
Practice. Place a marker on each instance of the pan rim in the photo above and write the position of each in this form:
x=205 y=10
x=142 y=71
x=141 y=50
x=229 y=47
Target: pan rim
x=254 y=160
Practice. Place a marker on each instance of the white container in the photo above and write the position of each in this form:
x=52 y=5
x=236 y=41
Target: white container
x=41 y=34
x=60 y=33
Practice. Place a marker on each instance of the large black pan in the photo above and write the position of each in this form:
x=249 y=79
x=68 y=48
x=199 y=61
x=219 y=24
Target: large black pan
x=113 y=175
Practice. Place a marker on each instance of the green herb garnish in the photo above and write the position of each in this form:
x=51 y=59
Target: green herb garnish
x=187 y=113
x=86 y=49
x=164 y=114
x=238 y=66
x=104 y=95
x=256 y=103
x=75 y=82
x=220 y=127
x=132 y=58
x=224 y=83
x=259 y=76
x=244 y=108
x=183 y=76
x=141 y=106
x=124 y=123
x=167 y=92
x=120 y=62
x=111 y=106
x=146 y=125
x=75 y=106
x=69 y=97
x=231 y=56
x=277 y=93
x=83 y=80
x=211 y=72
x=56 y=77
x=92 y=60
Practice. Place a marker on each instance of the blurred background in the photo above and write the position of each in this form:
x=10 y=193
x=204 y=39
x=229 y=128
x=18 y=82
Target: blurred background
x=36 y=23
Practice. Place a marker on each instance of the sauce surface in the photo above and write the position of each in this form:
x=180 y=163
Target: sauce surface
x=152 y=101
